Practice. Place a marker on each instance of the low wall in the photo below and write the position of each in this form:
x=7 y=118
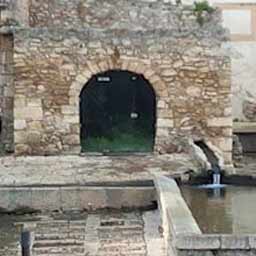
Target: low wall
x=215 y=245
x=74 y=198
x=183 y=236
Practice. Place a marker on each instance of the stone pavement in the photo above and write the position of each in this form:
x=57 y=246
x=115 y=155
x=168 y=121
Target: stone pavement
x=78 y=170
x=116 y=233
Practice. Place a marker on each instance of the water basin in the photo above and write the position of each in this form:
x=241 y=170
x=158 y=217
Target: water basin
x=225 y=209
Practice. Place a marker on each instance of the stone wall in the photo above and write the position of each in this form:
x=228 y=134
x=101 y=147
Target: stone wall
x=243 y=81
x=110 y=14
x=240 y=18
x=6 y=92
x=182 y=60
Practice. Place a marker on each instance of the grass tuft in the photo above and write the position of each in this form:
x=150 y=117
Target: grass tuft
x=119 y=142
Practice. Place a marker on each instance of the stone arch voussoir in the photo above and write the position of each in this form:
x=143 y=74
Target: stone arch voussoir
x=93 y=68
x=132 y=65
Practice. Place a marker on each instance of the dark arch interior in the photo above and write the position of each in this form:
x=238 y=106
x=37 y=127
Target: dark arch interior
x=117 y=113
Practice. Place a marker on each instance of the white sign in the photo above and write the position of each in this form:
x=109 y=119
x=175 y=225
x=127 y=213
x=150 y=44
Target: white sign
x=104 y=79
x=134 y=115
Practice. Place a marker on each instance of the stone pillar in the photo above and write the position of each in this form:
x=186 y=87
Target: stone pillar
x=6 y=92
x=21 y=12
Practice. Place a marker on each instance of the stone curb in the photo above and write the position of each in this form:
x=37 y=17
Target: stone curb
x=75 y=197
x=213 y=242
x=180 y=228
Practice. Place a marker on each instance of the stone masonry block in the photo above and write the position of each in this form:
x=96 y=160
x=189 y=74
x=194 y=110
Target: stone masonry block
x=220 y=122
x=198 y=242
x=235 y=242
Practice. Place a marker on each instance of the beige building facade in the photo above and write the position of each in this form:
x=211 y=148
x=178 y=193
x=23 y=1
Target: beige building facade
x=240 y=18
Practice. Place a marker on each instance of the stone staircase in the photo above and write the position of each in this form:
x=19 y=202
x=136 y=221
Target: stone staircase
x=59 y=238
x=10 y=251
x=112 y=234
x=121 y=234
x=103 y=234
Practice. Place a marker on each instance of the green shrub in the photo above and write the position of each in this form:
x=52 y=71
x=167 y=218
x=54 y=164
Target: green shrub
x=200 y=8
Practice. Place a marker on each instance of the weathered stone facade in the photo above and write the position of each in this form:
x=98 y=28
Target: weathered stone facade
x=60 y=45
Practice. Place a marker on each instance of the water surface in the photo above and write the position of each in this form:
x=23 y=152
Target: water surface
x=229 y=210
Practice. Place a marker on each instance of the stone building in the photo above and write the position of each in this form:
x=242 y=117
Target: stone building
x=240 y=18
x=51 y=50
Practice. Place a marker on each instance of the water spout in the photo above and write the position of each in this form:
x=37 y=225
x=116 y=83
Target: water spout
x=216 y=179
x=215 y=167
x=216 y=174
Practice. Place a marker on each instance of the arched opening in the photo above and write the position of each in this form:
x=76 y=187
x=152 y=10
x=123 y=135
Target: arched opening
x=117 y=113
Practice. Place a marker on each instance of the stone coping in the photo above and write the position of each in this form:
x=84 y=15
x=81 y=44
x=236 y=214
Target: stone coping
x=93 y=185
x=244 y=127
x=17 y=199
x=176 y=217
x=174 y=207
x=181 y=230
x=215 y=242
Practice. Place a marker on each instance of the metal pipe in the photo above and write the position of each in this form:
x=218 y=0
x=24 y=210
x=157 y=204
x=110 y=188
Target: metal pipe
x=26 y=243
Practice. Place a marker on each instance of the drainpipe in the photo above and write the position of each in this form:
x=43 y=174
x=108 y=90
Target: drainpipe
x=27 y=237
x=26 y=243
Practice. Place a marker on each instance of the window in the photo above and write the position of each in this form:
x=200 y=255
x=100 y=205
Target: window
x=240 y=19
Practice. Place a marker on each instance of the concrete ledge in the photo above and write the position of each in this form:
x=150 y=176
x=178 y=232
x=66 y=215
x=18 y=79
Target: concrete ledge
x=176 y=217
x=174 y=208
x=197 y=242
x=74 y=197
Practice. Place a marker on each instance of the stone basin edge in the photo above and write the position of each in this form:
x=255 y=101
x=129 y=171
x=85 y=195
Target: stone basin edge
x=181 y=231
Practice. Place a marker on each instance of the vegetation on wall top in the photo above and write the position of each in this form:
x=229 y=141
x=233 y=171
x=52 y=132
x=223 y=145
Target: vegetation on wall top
x=201 y=9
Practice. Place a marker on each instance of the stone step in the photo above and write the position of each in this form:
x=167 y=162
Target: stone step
x=57 y=250
x=123 y=254
x=59 y=236
x=61 y=222
x=54 y=254
x=117 y=228
x=129 y=240
x=60 y=230
x=9 y=252
x=62 y=226
x=130 y=236
x=121 y=246
x=57 y=254
x=59 y=242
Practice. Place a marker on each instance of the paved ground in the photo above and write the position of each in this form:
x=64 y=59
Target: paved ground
x=103 y=234
x=81 y=170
